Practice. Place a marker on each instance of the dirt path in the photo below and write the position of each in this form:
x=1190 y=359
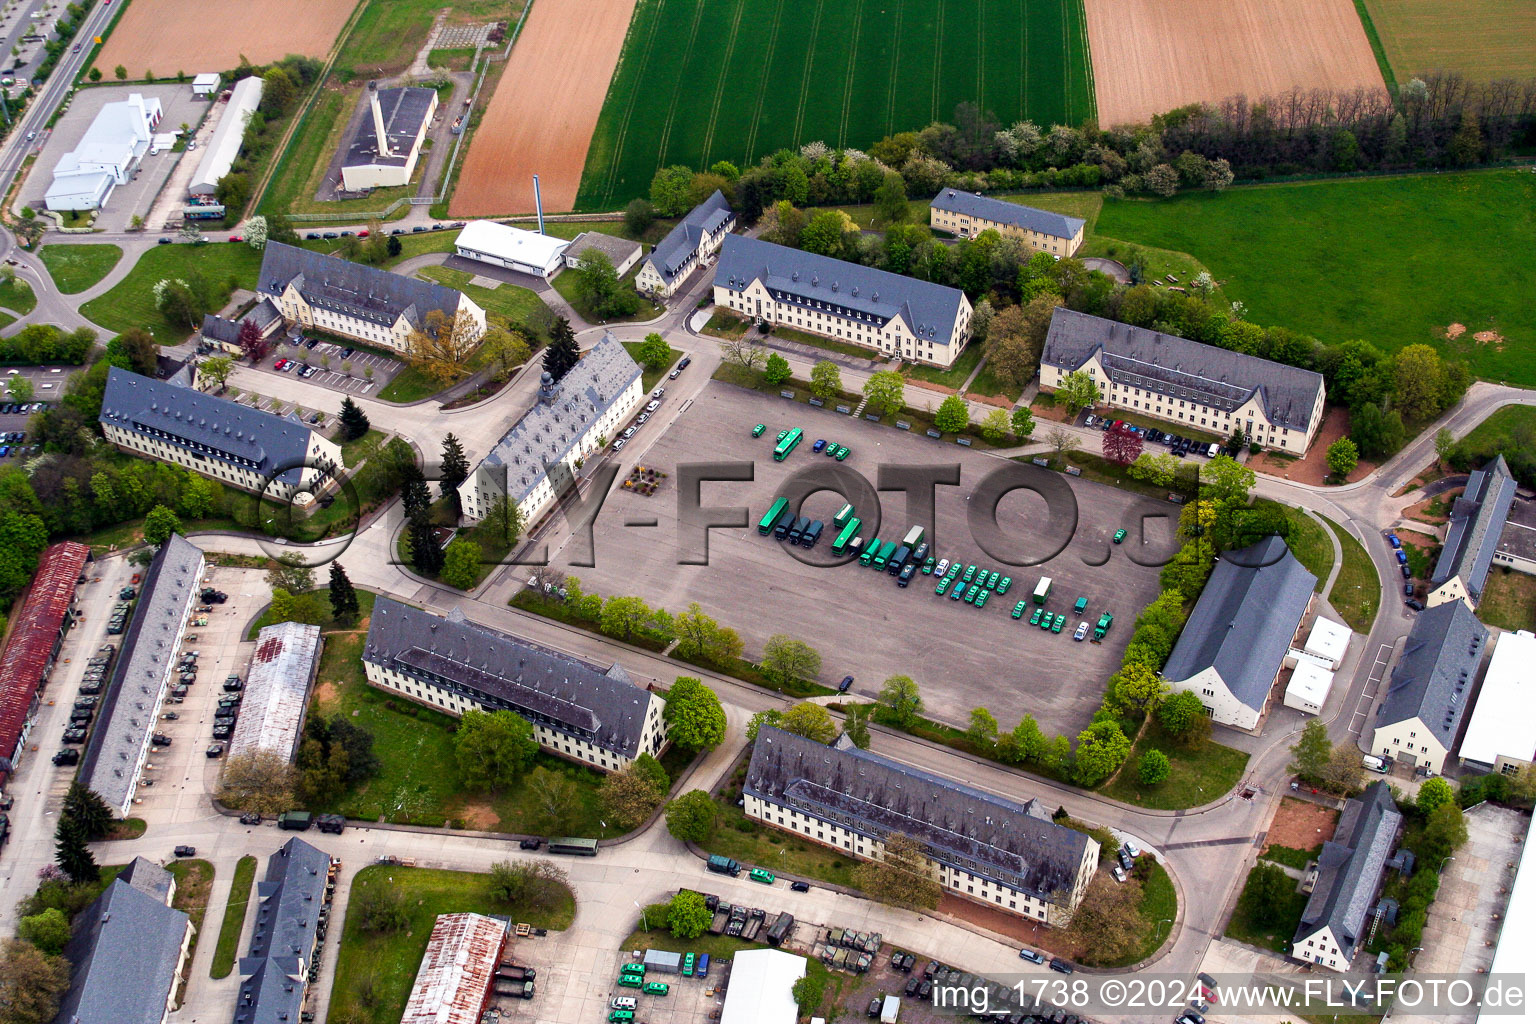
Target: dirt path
x=541 y=118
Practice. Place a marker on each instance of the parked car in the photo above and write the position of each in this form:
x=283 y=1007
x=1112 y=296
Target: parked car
x=843 y=686
x=531 y=843
x=216 y=750
x=800 y=886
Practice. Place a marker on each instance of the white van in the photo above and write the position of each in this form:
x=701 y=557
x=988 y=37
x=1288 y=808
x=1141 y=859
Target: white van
x=622 y=1002
x=1373 y=763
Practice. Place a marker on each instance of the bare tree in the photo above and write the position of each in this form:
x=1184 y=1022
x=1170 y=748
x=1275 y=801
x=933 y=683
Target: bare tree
x=261 y=781
x=1062 y=442
x=743 y=353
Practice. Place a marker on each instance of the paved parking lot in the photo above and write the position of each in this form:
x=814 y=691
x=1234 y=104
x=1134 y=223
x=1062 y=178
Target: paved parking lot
x=861 y=621
x=360 y=373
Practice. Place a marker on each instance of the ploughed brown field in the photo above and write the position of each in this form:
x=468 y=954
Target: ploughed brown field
x=193 y=36
x=1150 y=56
x=541 y=118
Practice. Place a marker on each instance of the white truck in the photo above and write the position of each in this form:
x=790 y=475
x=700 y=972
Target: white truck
x=889 y=1009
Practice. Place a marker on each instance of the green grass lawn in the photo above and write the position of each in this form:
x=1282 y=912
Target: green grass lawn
x=1292 y=857
x=1159 y=907
x=409 y=385
x=194 y=880
x=1157 y=263
x=1197 y=775
x=455 y=59
x=658 y=936
x=955 y=375
x=1308 y=542
x=17 y=294
x=1509 y=600
x=1356 y=594
x=131 y=302
x=565 y=283
x=365 y=599
x=508 y=300
x=225 y=953
x=817 y=341
x=1274 y=935
x=1384 y=259
x=418 y=782
x=649 y=377
x=739 y=79
x=1507 y=430
x=757 y=845
x=375 y=972
x=986 y=383
x=359 y=448
x=74 y=268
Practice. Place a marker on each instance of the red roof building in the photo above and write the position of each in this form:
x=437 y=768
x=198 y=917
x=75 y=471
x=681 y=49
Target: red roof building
x=37 y=632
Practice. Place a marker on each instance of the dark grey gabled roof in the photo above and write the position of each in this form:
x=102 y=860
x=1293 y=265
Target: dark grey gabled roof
x=131 y=704
x=877 y=296
x=263 y=314
x=616 y=249
x=271 y=990
x=1350 y=867
x=1170 y=365
x=1477 y=522
x=289 y=900
x=682 y=242
x=352 y=289
x=217 y=328
x=206 y=426
x=1027 y=217
x=578 y=698
x=403 y=111
x=149 y=878
x=560 y=419
x=1433 y=679
x=1245 y=620
x=1012 y=844
x=123 y=952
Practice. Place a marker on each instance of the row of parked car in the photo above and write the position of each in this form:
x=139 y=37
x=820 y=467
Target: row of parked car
x=22 y=408
x=418 y=229
x=1177 y=444
x=96 y=668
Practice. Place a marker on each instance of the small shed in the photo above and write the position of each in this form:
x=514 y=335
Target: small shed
x=663 y=961
x=206 y=84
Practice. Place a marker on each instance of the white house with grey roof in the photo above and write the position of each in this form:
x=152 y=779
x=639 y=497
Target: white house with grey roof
x=968 y=214
x=1237 y=638
x=281 y=456
x=126 y=951
x=386 y=144
x=981 y=846
x=1198 y=386
x=1430 y=688
x=1478 y=518
x=899 y=316
x=130 y=706
x=621 y=252
x=693 y=240
x=571 y=419
x=285 y=940
x=591 y=713
x=365 y=304
x=1349 y=872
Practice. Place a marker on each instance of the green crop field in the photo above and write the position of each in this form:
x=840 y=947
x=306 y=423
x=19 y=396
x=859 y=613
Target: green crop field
x=737 y=79
x=1392 y=260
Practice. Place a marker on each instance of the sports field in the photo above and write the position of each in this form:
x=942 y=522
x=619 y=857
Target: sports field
x=1483 y=39
x=1395 y=261
x=737 y=79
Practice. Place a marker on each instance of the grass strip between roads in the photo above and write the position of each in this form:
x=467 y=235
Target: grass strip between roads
x=1356 y=594
x=234 y=918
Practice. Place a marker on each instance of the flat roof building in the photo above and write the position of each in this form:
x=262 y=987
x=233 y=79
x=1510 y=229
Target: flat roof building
x=206 y=84
x=1328 y=641
x=691 y=241
x=386 y=146
x=534 y=463
x=1182 y=381
x=253 y=450
x=1236 y=640
x=1501 y=731
x=277 y=690
x=761 y=987
x=621 y=252
x=1477 y=523
x=1350 y=868
x=1517 y=541
x=1516 y=935
x=1308 y=688
x=982 y=846
x=894 y=314
x=106 y=155
x=1430 y=688
x=968 y=214
x=38 y=628
x=584 y=711
x=502 y=245
x=453 y=983
x=130 y=705
x=228 y=136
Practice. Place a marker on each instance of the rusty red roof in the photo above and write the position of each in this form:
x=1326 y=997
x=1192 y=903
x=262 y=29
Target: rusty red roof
x=35 y=628
x=454 y=980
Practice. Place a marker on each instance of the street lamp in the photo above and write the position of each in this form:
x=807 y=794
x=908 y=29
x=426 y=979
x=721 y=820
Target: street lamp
x=1159 y=936
x=643 y=923
x=1443 y=863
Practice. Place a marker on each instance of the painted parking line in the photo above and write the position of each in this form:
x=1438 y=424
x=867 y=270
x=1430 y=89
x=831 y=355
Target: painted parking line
x=1362 y=710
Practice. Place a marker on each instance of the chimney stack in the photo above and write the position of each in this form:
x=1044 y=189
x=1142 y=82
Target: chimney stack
x=378 y=118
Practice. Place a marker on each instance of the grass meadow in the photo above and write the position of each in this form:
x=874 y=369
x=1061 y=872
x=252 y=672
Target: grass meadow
x=738 y=79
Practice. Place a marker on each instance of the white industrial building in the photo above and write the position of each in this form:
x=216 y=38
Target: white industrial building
x=277 y=690
x=106 y=156
x=502 y=245
x=1501 y=732
x=761 y=989
x=387 y=144
x=1328 y=641
x=1308 y=689
x=224 y=146
x=206 y=84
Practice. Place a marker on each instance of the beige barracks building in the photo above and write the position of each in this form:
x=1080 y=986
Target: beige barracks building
x=578 y=710
x=900 y=316
x=1185 y=382
x=980 y=846
x=967 y=214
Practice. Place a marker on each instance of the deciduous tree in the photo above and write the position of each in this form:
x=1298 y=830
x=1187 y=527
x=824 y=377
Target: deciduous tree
x=442 y=347
x=695 y=720
x=1153 y=768
x=505 y=349
x=1343 y=457
x=826 y=379
x=994 y=426
x=1077 y=391
x=900 y=876
x=1122 y=446
x=1107 y=923
x=900 y=697
x=884 y=392
x=31 y=983
x=654 y=352
x=786 y=659
x=1101 y=749
x=159 y=524
x=811 y=721
x=216 y=368
x=776 y=370
x=1023 y=421
x=954 y=415
x=1433 y=792
x=554 y=801
x=983 y=729
x=461 y=564
x=1309 y=754
x=599 y=289
x=493 y=748
x=1062 y=441
x=629 y=796
x=691 y=817
x=687 y=915
x=856 y=725
x=48 y=931
x=261 y=781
